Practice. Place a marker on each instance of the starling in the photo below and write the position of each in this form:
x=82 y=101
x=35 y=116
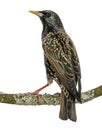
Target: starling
x=61 y=63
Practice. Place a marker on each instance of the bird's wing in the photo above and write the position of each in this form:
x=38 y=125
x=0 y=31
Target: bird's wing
x=62 y=64
x=75 y=59
x=76 y=65
x=70 y=52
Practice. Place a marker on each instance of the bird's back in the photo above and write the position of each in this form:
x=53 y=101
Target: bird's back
x=61 y=61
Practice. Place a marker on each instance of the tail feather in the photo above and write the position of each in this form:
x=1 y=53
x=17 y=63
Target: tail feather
x=67 y=108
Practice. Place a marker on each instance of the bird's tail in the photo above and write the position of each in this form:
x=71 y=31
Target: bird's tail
x=67 y=108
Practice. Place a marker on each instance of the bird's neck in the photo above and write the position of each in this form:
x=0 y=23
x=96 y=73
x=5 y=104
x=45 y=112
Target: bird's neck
x=47 y=29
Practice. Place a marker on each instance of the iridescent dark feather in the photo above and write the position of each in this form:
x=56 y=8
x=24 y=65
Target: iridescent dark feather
x=61 y=62
x=61 y=57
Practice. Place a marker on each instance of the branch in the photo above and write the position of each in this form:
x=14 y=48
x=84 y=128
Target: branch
x=45 y=99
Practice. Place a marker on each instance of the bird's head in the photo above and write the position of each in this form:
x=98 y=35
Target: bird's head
x=49 y=19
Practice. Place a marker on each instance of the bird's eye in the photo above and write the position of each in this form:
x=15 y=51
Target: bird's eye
x=47 y=14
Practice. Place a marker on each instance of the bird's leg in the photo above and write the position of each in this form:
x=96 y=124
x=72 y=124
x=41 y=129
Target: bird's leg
x=36 y=92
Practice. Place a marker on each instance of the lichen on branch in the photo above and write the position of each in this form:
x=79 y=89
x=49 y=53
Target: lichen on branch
x=45 y=99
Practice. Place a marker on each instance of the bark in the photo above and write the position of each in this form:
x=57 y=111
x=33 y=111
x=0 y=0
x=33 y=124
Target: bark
x=45 y=99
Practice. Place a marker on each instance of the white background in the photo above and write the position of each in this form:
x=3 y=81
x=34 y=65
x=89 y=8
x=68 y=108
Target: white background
x=22 y=68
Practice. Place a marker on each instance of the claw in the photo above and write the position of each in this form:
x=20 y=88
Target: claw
x=37 y=92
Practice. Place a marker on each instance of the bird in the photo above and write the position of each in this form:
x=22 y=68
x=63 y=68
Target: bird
x=61 y=63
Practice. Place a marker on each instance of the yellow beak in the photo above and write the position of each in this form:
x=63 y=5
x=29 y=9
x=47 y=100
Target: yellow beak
x=36 y=13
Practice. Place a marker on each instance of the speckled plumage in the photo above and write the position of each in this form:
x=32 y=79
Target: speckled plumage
x=61 y=62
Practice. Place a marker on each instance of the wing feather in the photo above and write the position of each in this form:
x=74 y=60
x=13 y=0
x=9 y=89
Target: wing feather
x=63 y=61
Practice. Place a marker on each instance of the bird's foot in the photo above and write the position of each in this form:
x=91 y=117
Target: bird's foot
x=36 y=92
x=37 y=95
